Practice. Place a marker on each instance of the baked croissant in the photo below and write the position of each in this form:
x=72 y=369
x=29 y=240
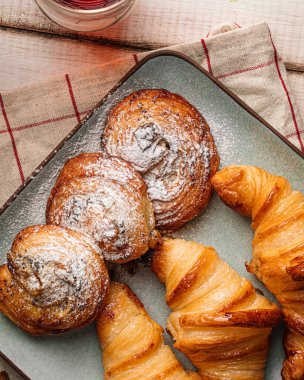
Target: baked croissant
x=106 y=198
x=169 y=142
x=54 y=281
x=218 y=321
x=278 y=246
x=133 y=344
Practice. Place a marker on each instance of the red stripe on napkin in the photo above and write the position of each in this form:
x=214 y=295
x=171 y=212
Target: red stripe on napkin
x=9 y=129
x=207 y=56
x=247 y=69
x=294 y=134
x=72 y=97
x=287 y=94
x=43 y=122
x=135 y=58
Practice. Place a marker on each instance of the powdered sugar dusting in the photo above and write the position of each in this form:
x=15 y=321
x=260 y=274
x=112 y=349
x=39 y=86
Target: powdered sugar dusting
x=227 y=122
x=104 y=198
x=103 y=211
x=57 y=268
x=168 y=142
x=225 y=143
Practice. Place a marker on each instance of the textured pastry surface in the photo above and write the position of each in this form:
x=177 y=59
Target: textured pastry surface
x=107 y=199
x=133 y=344
x=218 y=321
x=169 y=142
x=54 y=281
x=278 y=246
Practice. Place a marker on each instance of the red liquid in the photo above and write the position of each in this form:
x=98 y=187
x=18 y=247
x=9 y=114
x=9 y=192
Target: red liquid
x=87 y=4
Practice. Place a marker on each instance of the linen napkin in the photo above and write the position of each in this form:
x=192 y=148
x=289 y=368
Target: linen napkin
x=33 y=120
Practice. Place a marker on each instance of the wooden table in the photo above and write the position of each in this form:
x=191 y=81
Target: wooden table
x=35 y=49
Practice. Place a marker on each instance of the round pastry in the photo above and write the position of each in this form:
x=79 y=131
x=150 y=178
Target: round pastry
x=168 y=141
x=53 y=281
x=105 y=198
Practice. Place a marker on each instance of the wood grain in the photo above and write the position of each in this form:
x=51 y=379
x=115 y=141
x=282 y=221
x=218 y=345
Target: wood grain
x=28 y=57
x=292 y=66
x=157 y=23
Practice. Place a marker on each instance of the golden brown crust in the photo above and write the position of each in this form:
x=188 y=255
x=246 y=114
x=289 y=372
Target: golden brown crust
x=105 y=198
x=219 y=321
x=132 y=343
x=293 y=368
x=54 y=281
x=278 y=246
x=168 y=141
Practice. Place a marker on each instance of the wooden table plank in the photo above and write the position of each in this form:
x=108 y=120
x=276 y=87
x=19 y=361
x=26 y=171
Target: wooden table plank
x=156 y=23
x=28 y=57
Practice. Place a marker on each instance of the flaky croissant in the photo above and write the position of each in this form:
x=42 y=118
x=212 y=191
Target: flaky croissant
x=104 y=197
x=278 y=246
x=218 y=321
x=169 y=142
x=54 y=281
x=133 y=344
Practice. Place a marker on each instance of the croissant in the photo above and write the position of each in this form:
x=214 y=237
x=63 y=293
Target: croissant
x=169 y=142
x=53 y=281
x=132 y=343
x=218 y=321
x=278 y=246
x=107 y=199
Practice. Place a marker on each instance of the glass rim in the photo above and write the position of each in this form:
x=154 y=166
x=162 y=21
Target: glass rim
x=89 y=11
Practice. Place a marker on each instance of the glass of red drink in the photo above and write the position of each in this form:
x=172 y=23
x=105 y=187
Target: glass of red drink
x=85 y=15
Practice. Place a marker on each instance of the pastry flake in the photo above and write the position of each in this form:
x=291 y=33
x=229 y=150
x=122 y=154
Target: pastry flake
x=105 y=198
x=53 y=281
x=132 y=343
x=169 y=142
x=218 y=320
x=277 y=214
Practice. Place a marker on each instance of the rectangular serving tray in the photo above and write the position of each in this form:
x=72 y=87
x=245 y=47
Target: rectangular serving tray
x=242 y=137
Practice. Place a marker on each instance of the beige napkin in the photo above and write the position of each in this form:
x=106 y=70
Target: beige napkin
x=35 y=119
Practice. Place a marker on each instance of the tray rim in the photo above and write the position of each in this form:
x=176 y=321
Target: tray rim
x=166 y=53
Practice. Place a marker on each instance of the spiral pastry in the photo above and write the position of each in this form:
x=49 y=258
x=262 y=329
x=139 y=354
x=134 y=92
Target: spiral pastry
x=168 y=141
x=105 y=198
x=54 y=281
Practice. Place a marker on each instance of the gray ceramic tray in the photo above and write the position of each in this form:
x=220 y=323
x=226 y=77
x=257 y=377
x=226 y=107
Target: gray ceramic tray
x=241 y=137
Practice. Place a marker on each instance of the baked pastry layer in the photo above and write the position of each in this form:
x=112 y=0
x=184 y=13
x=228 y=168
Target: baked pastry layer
x=277 y=214
x=169 y=142
x=133 y=344
x=218 y=321
x=53 y=281
x=105 y=198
